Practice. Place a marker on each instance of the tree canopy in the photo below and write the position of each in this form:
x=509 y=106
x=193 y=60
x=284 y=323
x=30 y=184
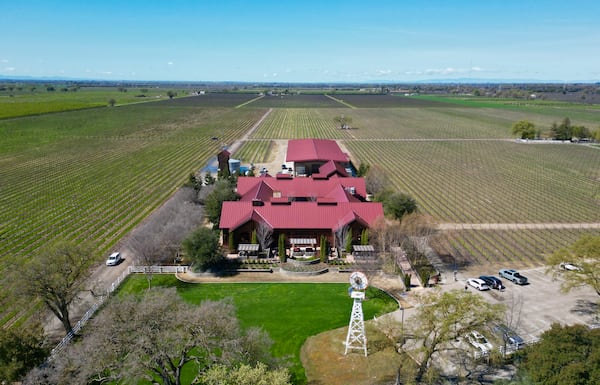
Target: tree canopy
x=55 y=276
x=397 y=204
x=584 y=254
x=562 y=131
x=525 y=129
x=20 y=350
x=444 y=317
x=223 y=191
x=244 y=375
x=202 y=248
x=152 y=338
x=564 y=355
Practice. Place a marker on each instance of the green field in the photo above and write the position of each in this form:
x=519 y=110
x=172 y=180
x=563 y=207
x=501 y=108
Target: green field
x=290 y=313
x=24 y=102
x=94 y=174
x=255 y=151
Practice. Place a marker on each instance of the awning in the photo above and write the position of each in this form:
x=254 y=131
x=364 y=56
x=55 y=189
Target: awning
x=363 y=248
x=248 y=247
x=303 y=241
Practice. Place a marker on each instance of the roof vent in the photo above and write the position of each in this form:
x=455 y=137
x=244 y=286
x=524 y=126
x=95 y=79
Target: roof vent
x=257 y=202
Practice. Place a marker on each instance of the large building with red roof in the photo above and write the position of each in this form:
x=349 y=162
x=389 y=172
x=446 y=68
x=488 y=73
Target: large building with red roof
x=303 y=208
x=308 y=155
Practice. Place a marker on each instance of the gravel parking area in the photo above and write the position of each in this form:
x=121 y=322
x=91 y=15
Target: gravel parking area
x=540 y=303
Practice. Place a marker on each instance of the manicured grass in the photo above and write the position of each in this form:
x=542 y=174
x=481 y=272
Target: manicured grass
x=289 y=312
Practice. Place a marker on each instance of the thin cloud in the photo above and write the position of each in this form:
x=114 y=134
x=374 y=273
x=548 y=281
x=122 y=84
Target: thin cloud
x=445 y=71
x=9 y=69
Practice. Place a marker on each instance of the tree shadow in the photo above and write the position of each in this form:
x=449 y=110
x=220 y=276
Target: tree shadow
x=585 y=307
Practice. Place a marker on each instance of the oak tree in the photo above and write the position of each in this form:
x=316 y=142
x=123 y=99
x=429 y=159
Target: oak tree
x=56 y=276
x=152 y=338
x=584 y=258
x=444 y=317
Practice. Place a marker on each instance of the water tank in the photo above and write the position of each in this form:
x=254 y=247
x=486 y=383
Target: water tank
x=234 y=166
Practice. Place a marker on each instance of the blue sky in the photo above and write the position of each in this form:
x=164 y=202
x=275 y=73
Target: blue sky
x=301 y=41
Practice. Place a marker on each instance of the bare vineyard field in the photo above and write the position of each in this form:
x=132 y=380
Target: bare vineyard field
x=296 y=101
x=388 y=101
x=211 y=100
x=92 y=175
x=492 y=181
x=490 y=250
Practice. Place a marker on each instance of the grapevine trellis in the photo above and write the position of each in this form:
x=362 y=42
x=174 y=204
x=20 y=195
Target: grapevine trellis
x=95 y=188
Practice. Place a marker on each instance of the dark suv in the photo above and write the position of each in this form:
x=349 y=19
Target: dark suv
x=492 y=282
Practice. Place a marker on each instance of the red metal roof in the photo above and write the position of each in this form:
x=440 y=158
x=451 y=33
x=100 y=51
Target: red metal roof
x=265 y=188
x=300 y=215
x=330 y=168
x=305 y=150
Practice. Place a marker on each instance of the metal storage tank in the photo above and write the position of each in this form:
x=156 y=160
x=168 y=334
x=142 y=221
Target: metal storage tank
x=234 y=166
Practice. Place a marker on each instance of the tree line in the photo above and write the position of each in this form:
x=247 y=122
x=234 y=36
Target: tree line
x=564 y=131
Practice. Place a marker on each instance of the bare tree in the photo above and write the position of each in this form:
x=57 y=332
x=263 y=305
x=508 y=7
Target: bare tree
x=158 y=239
x=341 y=236
x=56 y=277
x=158 y=333
x=264 y=234
x=385 y=234
x=376 y=179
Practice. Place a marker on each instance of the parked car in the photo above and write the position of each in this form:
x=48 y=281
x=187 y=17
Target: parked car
x=479 y=342
x=478 y=284
x=570 y=266
x=492 y=282
x=509 y=336
x=513 y=275
x=113 y=259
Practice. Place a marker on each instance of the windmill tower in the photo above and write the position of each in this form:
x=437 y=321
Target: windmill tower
x=357 y=339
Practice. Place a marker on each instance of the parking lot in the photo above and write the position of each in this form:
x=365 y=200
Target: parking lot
x=540 y=303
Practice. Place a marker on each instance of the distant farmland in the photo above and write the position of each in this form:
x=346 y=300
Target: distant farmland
x=94 y=174
x=35 y=99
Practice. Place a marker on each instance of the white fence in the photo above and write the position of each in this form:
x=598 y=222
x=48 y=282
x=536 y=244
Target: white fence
x=114 y=286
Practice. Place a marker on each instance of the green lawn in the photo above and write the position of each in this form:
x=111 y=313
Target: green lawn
x=290 y=312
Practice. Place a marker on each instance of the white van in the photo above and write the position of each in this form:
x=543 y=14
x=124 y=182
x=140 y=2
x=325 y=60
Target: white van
x=113 y=259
